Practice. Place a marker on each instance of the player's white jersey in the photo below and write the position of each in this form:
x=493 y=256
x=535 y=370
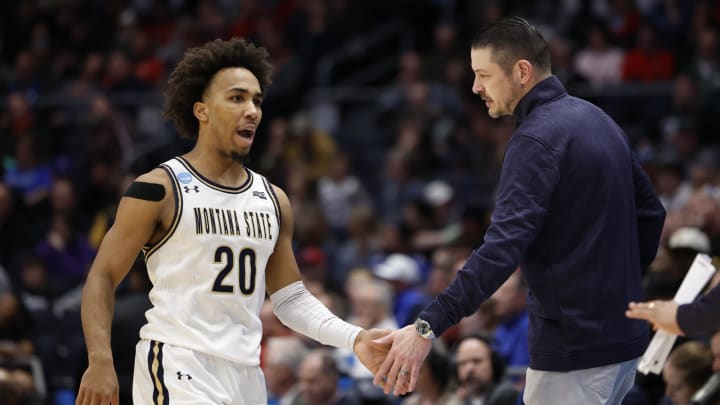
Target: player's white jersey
x=208 y=272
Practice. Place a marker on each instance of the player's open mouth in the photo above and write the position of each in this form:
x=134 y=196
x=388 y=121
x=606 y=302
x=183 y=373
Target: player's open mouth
x=246 y=133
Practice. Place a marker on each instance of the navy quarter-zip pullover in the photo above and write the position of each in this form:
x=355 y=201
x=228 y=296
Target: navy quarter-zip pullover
x=577 y=213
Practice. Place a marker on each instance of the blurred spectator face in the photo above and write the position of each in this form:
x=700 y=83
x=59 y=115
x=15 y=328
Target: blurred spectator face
x=701 y=174
x=474 y=366
x=418 y=96
x=707 y=44
x=390 y=238
x=560 y=52
x=500 y=93
x=317 y=385
x=340 y=167
x=34 y=276
x=455 y=71
x=100 y=106
x=442 y=271
x=17 y=105
x=24 y=66
x=276 y=376
x=597 y=40
x=676 y=388
x=687 y=368
x=118 y=67
x=355 y=278
x=684 y=92
x=370 y=303
x=667 y=180
x=646 y=38
x=444 y=36
x=9 y=307
x=62 y=196
x=715 y=348
x=92 y=68
x=410 y=68
x=362 y=222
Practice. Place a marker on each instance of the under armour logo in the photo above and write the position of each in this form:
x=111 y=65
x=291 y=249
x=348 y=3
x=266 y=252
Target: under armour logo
x=259 y=194
x=185 y=376
x=187 y=189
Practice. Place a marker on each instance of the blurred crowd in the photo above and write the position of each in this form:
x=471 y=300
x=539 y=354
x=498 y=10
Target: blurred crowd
x=391 y=184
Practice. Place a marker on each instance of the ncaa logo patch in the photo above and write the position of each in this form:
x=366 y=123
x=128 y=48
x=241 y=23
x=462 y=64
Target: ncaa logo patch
x=184 y=177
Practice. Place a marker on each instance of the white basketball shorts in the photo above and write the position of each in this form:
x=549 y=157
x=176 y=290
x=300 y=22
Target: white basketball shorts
x=172 y=375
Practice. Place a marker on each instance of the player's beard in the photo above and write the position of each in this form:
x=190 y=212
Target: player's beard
x=243 y=159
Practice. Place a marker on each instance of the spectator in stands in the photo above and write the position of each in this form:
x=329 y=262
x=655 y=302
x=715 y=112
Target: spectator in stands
x=338 y=193
x=30 y=176
x=318 y=377
x=371 y=304
x=65 y=252
x=649 y=60
x=670 y=268
x=480 y=373
x=399 y=186
x=361 y=245
x=687 y=368
x=19 y=120
x=17 y=333
x=599 y=61
x=403 y=273
x=282 y=358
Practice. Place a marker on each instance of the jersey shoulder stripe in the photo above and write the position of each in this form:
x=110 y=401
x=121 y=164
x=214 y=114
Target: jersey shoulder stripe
x=273 y=198
x=150 y=249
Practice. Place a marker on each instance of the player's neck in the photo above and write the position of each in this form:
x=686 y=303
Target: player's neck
x=220 y=169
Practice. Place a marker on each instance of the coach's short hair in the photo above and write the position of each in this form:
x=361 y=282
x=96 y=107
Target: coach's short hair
x=512 y=39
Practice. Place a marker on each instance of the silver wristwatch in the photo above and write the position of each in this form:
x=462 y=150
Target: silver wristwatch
x=423 y=329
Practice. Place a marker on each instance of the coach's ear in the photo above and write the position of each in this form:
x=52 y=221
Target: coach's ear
x=200 y=111
x=522 y=71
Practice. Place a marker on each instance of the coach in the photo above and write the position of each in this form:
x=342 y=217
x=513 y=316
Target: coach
x=575 y=210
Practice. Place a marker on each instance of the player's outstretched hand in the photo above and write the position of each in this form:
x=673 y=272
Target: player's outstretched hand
x=661 y=314
x=370 y=353
x=99 y=386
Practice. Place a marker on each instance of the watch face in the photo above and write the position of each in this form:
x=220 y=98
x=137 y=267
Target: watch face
x=422 y=327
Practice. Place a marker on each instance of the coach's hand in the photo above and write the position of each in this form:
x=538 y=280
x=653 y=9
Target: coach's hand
x=99 y=385
x=371 y=354
x=401 y=368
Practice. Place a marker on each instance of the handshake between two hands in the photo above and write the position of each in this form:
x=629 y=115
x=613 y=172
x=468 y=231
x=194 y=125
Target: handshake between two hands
x=394 y=357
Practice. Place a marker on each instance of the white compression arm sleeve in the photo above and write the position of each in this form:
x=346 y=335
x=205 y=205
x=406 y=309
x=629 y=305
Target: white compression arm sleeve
x=302 y=312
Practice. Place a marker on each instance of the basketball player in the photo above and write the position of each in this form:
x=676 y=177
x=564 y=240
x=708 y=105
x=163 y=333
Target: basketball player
x=216 y=236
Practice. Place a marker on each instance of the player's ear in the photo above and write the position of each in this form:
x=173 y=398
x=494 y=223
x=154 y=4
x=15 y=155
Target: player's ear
x=200 y=111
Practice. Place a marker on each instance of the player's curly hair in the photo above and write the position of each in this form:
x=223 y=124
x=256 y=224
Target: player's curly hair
x=193 y=74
